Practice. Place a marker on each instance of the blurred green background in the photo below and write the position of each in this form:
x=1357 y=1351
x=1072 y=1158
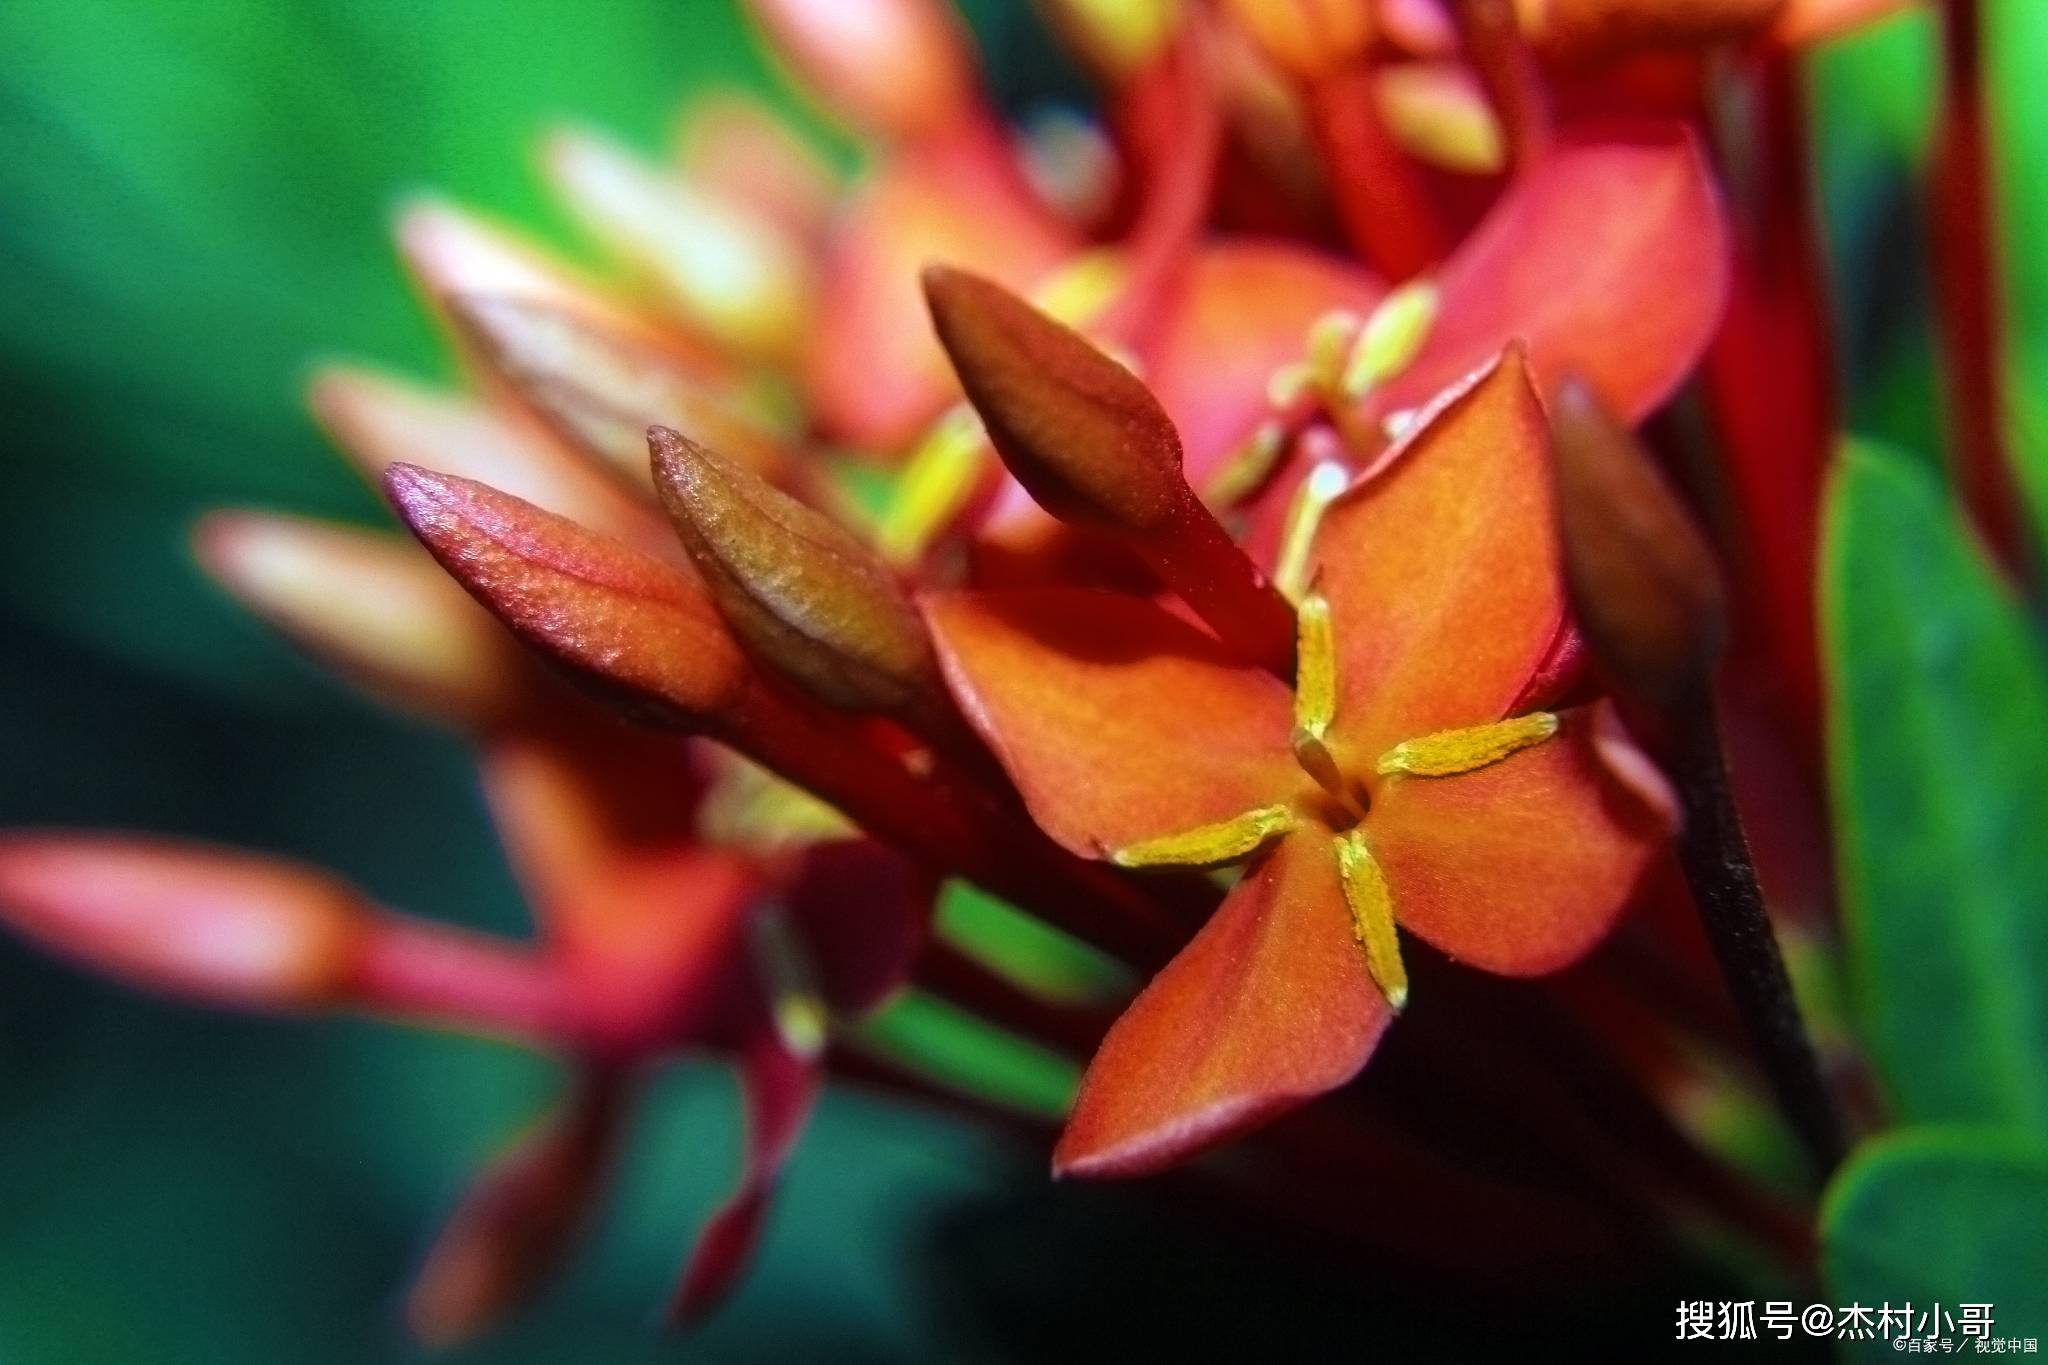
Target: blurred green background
x=193 y=201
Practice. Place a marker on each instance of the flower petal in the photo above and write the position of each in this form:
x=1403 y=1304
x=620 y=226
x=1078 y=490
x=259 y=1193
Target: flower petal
x=1521 y=866
x=1270 y=1005
x=1118 y=721
x=1442 y=572
x=874 y=372
x=1609 y=258
x=1243 y=310
x=779 y=1086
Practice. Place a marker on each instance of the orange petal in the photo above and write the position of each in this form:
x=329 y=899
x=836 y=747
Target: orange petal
x=1442 y=571
x=1243 y=311
x=1270 y=1005
x=223 y=927
x=874 y=372
x=1118 y=721
x=1609 y=258
x=1522 y=866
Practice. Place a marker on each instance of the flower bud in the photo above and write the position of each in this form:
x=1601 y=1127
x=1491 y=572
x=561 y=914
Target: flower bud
x=732 y=274
x=1080 y=431
x=1644 y=585
x=519 y=1219
x=601 y=391
x=803 y=592
x=897 y=67
x=375 y=609
x=611 y=614
x=223 y=928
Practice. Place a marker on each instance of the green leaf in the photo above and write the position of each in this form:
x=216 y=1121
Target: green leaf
x=1939 y=744
x=1942 y=1216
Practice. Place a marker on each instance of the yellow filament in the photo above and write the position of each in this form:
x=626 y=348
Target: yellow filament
x=1315 y=687
x=937 y=479
x=1372 y=916
x=1249 y=466
x=1208 y=845
x=1291 y=570
x=1449 y=752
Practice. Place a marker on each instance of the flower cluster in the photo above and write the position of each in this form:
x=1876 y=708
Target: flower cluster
x=1218 y=530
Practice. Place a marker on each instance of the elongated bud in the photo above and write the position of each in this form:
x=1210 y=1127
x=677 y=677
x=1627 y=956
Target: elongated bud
x=379 y=421
x=737 y=147
x=1306 y=38
x=802 y=591
x=519 y=1220
x=1644 y=585
x=376 y=610
x=224 y=928
x=601 y=390
x=902 y=68
x=609 y=613
x=1080 y=431
x=733 y=274
x=1595 y=30
x=1088 y=440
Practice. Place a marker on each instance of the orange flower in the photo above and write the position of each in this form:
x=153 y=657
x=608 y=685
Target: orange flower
x=1409 y=780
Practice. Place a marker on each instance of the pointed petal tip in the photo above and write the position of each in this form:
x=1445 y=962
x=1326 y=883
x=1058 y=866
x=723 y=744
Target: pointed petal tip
x=614 y=615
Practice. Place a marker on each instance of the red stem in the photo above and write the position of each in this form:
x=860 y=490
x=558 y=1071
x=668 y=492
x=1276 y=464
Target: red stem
x=1379 y=197
x=1197 y=559
x=1770 y=382
x=467 y=981
x=1967 y=311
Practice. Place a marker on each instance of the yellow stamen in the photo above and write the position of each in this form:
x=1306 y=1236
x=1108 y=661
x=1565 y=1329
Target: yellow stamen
x=1315 y=687
x=1209 y=845
x=1318 y=762
x=1449 y=752
x=936 y=481
x=1286 y=384
x=1247 y=467
x=1079 y=293
x=1324 y=482
x=1391 y=337
x=1372 y=916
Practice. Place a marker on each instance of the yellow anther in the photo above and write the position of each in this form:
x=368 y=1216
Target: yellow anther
x=1247 y=467
x=1449 y=752
x=1209 y=845
x=1315 y=686
x=1372 y=916
x=937 y=479
x=784 y=968
x=1391 y=337
x=1329 y=339
x=1078 y=293
x=749 y=807
x=1324 y=482
x=1286 y=384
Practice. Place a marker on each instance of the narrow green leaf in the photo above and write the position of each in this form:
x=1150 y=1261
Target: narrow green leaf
x=1939 y=743
x=1941 y=1217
